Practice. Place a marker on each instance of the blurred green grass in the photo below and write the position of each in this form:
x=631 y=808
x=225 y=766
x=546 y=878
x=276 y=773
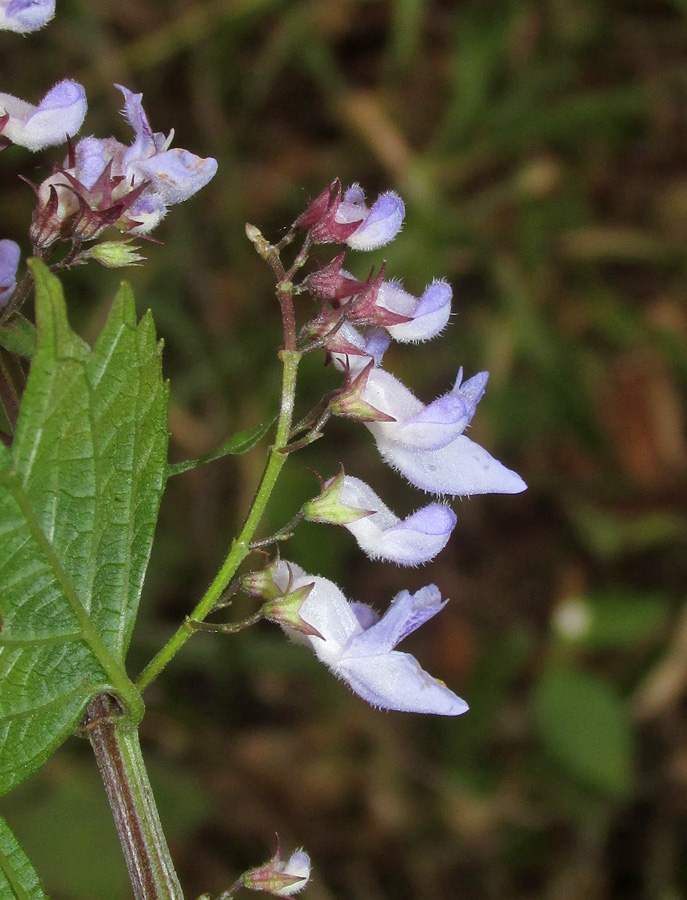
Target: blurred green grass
x=541 y=149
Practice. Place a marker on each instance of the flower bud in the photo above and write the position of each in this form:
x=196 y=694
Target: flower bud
x=279 y=878
x=262 y=583
x=378 y=225
x=113 y=254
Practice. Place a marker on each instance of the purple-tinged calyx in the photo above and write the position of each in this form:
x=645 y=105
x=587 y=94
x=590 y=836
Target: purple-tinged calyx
x=350 y=401
x=262 y=583
x=320 y=218
x=286 y=610
x=332 y=283
x=364 y=309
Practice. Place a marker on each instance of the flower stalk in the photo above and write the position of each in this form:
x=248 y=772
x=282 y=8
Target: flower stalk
x=241 y=546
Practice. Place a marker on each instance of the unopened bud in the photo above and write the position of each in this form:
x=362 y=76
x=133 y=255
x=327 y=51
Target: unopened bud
x=262 y=583
x=113 y=254
x=281 y=879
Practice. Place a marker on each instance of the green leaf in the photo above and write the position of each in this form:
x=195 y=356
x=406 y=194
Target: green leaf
x=19 y=336
x=18 y=879
x=584 y=724
x=241 y=442
x=79 y=497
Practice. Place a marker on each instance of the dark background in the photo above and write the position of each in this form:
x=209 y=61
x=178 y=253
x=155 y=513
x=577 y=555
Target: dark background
x=541 y=150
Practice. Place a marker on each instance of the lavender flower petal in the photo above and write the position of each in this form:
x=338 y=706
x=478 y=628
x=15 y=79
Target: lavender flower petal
x=382 y=535
x=10 y=255
x=177 y=174
x=397 y=681
x=405 y=614
x=381 y=225
x=430 y=313
x=459 y=469
x=24 y=16
x=359 y=649
x=59 y=114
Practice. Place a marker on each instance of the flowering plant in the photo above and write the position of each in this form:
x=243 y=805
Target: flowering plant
x=83 y=466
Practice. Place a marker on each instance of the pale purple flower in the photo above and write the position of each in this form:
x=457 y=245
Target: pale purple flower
x=59 y=115
x=426 y=444
x=378 y=225
x=418 y=425
x=24 y=16
x=130 y=187
x=359 y=647
x=9 y=260
x=382 y=535
x=428 y=314
x=175 y=174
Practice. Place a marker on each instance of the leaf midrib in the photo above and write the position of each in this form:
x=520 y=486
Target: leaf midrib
x=10 y=875
x=114 y=670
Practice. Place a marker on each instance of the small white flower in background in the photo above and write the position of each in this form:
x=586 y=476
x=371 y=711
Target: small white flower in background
x=572 y=618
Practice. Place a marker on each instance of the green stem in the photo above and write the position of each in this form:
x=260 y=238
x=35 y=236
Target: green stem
x=118 y=754
x=240 y=547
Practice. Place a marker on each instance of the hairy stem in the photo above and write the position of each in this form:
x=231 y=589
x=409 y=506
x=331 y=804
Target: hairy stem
x=118 y=755
x=240 y=547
